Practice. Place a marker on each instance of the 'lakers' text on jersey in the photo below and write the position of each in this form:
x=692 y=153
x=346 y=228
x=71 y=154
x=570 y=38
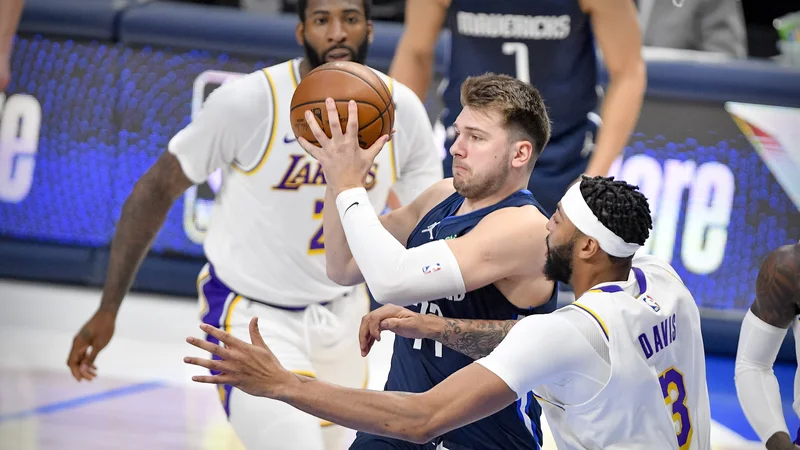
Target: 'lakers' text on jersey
x=418 y=365
x=265 y=238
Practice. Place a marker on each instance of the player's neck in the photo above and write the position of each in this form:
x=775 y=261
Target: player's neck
x=583 y=280
x=303 y=68
x=474 y=204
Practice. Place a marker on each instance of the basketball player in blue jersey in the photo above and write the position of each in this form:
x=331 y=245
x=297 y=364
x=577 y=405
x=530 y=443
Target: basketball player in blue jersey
x=775 y=310
x=622 y=367
x=551 y=44
x=265 y=241
x=469 y=247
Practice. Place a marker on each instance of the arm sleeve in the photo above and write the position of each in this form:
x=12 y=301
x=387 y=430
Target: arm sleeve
x=394 y=273
x=756 y=385
x=561 y=353
x=418 y=159
x=223 y=131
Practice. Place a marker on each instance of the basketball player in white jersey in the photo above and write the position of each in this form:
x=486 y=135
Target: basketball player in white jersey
x=775 y=309
x=621 y=368
x=265 y=240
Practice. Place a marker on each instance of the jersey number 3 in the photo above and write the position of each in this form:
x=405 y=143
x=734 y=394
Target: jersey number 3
x=674 y=390
x=316 y=245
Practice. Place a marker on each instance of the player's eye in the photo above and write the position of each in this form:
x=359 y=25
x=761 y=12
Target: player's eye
x=352 y=19
x=475 y=138
x=320 y=21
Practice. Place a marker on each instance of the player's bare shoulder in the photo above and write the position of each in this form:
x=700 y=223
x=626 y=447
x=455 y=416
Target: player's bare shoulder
x=778 y=287
x=520 y=218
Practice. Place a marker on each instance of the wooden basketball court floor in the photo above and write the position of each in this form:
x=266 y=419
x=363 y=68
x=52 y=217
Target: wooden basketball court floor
x=143 y=397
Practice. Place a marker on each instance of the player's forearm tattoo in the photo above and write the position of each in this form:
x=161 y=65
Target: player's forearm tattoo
x=777 y=287
x=142 y=216
x=474 y=338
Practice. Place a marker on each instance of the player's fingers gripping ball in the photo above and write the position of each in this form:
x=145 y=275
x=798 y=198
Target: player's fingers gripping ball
x=343 y=81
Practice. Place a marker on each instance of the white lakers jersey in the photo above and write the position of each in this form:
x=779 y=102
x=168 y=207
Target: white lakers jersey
x=657 y=385
x=265 y=238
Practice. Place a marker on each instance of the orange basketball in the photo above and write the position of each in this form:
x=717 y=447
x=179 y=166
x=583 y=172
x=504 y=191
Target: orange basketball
x=343 y=81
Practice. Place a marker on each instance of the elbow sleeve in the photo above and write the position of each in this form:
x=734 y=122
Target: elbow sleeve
x=395 y=274
x=756 y=385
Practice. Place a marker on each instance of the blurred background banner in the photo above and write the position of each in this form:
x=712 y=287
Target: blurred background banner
x=91 y=106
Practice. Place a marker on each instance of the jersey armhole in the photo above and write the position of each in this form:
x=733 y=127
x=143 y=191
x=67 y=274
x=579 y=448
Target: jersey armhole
x=268 y=141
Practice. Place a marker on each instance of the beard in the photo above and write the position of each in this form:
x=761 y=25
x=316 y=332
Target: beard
x=315 y=60
x=558 y=266
x=485 y=184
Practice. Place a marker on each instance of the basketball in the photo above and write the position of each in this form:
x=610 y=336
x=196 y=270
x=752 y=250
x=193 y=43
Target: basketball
x=343 y=81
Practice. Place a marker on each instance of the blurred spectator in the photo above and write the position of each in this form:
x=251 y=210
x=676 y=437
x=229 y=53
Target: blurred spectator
x=703 y=25
x=10 y=10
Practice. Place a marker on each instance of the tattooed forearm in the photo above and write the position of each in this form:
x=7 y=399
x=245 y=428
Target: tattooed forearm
x=142 y=216
x=778 y=287
x=474 y=338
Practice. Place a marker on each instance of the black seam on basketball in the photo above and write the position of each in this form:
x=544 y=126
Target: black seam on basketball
x=361 y=127
x=389 y=103
x=357 y=76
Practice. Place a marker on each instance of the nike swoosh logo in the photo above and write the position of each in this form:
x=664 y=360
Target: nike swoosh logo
x=348 y=208
x=289 y=138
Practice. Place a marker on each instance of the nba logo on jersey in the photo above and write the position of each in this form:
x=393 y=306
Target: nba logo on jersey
x=650 y=302
x=432 y=268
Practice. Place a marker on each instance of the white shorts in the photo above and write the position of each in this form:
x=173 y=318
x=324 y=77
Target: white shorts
x=317 y=341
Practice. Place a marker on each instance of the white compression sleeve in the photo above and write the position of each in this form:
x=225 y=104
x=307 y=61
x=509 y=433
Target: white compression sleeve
x=756 y=385
x=394 y=273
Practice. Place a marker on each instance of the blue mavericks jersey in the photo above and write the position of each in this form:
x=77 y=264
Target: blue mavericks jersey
x=418 y=365
x=548 y=43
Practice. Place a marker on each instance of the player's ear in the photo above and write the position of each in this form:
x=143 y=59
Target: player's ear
x=298 y=33
x=523 y=152
x=370 y=32
x=587 y=246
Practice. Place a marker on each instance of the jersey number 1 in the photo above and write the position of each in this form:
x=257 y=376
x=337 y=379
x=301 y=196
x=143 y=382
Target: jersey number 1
x=430 y=308
x=520 y=52
x=316 y=245
x=674 y=390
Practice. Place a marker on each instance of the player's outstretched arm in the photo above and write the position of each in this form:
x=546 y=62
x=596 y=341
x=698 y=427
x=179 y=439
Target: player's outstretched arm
x=762 y=333
x=143 y=214
x=413 y=59
x=474 y=338
x=466 y=396
x=231 y=116
x=617 y=32
x=504 y=244
x=472 y=393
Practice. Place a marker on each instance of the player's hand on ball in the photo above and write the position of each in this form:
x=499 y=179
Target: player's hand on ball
x=252 y=368
x=399 y=320
x=343 y=161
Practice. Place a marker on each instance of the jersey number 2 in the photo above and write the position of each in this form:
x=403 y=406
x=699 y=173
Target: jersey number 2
x=316 y=245
x=674 y=390
x=521 y=60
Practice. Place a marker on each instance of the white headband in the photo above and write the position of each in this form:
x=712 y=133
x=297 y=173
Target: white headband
x=575 y=207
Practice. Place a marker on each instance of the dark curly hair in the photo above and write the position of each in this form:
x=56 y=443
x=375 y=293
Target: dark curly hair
x=620 y=207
